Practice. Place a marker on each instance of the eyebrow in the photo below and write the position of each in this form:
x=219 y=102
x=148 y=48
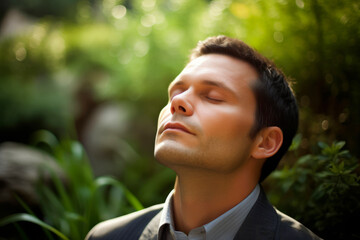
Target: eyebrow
x=204 y=82
x=217 y=84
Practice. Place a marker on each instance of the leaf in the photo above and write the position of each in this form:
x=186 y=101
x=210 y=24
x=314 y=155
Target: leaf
x=77 y=150
x=339 y=145
x=304 y=159
x=341 y=166
x=344 y=153
x=295 y=142
x=23 y=204
x=323 y=174
x=334 y=168
x=104 y=181
x=320 y=191
x=322 y=145
x=30 y=218
x=44 y=136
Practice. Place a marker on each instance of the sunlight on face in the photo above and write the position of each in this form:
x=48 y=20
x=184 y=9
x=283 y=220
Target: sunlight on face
x=210 y=113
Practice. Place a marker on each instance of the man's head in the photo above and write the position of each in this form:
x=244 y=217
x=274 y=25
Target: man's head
x=262 y=99
x=276 y=103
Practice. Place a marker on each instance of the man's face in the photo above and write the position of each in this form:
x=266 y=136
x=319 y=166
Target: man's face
x=208 y=118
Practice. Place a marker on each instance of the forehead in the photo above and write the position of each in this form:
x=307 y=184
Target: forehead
x=232 y=72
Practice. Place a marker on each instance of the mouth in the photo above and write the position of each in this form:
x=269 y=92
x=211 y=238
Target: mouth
x=176 y=127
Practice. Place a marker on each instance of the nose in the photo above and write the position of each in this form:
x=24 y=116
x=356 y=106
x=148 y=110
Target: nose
x=180 y=104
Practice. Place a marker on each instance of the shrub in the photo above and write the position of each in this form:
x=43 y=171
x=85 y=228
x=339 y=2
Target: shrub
x=322 y=191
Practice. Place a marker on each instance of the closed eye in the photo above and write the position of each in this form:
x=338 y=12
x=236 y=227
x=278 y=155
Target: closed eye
x=214 y=96
x=214 y=99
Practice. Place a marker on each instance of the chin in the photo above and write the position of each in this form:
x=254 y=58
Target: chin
x=172 y=155
x=165 y=153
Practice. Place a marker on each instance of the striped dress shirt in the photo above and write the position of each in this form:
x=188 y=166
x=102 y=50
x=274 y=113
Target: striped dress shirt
x=224 y=227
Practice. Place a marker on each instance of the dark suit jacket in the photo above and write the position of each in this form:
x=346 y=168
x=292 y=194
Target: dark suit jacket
x=262 y=222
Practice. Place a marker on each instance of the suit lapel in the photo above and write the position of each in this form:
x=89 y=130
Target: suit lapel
x=261 y=223
x=151 y=230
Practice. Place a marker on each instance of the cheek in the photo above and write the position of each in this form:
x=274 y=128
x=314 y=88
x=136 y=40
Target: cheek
x=164 y=113
x=229 y=123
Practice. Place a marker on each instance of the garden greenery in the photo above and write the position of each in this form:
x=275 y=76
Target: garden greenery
x=77 y=201
x=70 y=57
x=322 y=190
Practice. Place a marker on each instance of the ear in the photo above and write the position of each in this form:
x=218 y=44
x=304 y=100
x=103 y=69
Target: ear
x=267 y=143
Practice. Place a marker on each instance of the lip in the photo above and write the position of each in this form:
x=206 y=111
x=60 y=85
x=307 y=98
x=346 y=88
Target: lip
x=177 y=127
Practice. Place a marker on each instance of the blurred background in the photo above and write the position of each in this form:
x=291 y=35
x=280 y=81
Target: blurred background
x=86 y=79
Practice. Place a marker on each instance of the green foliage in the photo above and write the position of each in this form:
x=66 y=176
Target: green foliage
x=30 y=218
x=321 y=190
x=77 y=201
x=129 y=50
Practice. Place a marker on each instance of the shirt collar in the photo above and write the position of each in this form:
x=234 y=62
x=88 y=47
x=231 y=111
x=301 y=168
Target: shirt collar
x=223 y=227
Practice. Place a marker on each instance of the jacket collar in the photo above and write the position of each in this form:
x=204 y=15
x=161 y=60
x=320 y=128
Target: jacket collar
x=261 y=223
x=151 y=230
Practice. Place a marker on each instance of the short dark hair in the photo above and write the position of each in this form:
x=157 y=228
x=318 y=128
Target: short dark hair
x=275 y=100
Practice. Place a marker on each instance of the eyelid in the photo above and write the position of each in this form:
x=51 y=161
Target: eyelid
x=214 y=96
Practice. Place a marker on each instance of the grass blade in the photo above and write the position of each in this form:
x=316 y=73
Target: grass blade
x=104 y=181
x=29 y=218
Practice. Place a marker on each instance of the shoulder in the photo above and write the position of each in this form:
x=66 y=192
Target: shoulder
x=289 y=228
x=128 y=225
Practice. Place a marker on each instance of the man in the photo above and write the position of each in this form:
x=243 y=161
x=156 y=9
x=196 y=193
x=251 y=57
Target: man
x=230 y=118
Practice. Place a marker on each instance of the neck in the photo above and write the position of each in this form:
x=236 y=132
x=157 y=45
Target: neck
x=202 y=196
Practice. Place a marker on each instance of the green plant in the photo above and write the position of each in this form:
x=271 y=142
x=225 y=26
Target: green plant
x=321 y=190
x=77 y=201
